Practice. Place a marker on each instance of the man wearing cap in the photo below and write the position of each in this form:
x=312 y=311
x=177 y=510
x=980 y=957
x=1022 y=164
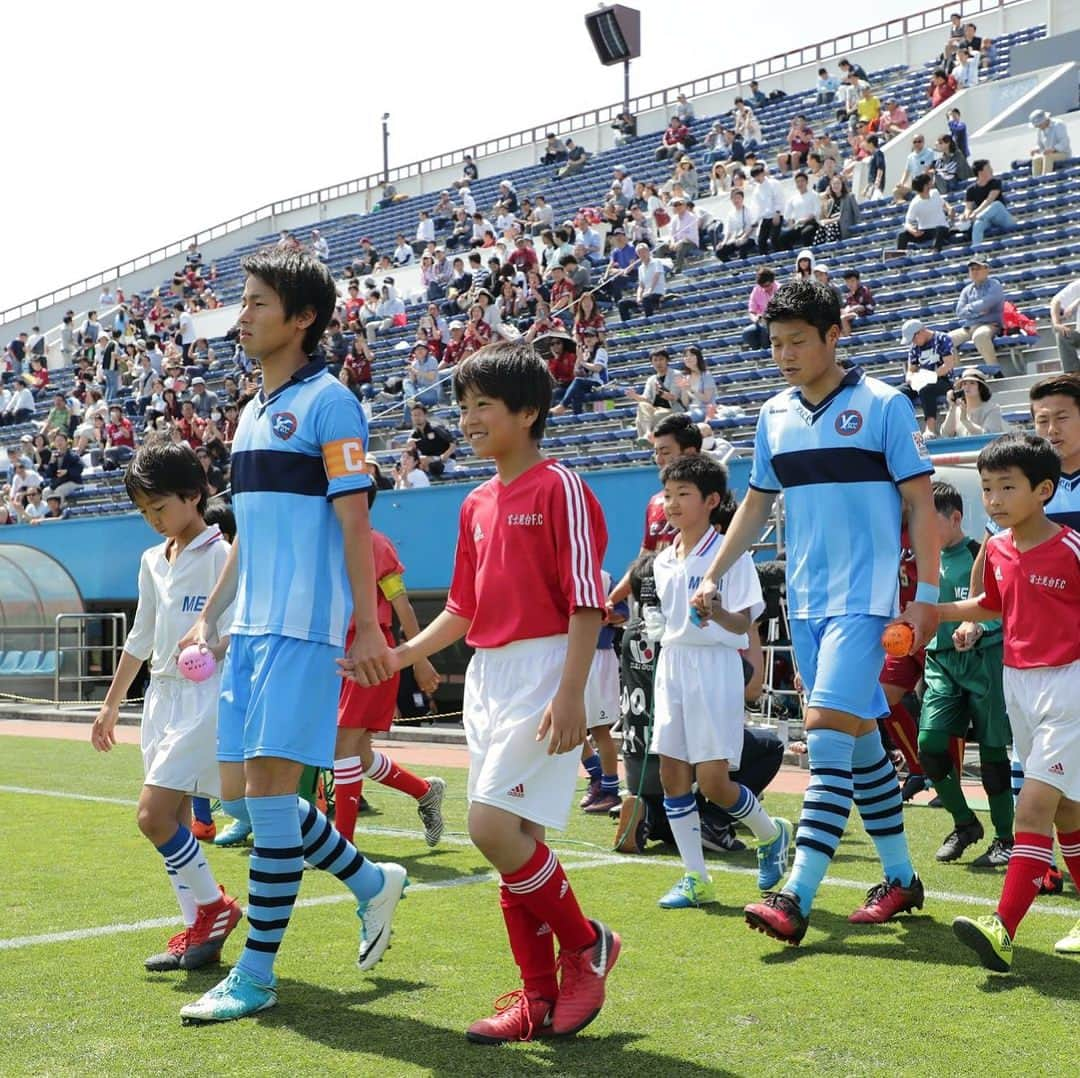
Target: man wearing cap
x=420 y=379
x=928 y=217
x=453 y=349
x=768 y=203
x=984 y=204
x=1065 y=322
x=931 y=358
x=626 y=183
x=202 y=398
x=684 y=234
x=980 y=310
x=1051 y=142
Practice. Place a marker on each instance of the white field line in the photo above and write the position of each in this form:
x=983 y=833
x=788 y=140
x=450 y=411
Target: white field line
x=577 y=860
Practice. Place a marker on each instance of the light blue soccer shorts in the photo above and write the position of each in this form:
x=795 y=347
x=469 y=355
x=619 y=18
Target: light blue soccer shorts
x=279 y=697
x=840 y=660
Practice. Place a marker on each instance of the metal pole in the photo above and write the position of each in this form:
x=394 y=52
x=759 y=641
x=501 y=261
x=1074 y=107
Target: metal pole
x=385 y=149
x=626 y=87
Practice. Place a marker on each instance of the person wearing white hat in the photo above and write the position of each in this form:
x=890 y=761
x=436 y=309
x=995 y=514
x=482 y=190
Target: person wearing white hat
x=1052 y=142
x=971 y=411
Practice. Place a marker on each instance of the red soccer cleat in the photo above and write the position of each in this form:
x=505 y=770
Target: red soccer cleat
x=213 y=923
x=519 y=1016
x=779 y=915
x=1053 y=882
x=204 y=832
x=584 y=973
x=169 y=959
x=885 y=900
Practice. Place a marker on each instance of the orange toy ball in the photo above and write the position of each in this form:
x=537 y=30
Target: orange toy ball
x=897 y=639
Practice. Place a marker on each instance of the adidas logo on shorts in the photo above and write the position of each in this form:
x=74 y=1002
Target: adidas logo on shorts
x=1057 y=769
x=517 y=791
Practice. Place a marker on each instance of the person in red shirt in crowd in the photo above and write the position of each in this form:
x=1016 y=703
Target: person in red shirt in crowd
x=477 y=331
x=1031 y=580
x=229 y=421
x=39 y=374
x=587 y=316
x=942 y=87
x=353 y=306
x=118 y=429
x=544 y=322
x=523 y=256
x=800 y=140
x=190 y=425
x=673 y=142
x=527 y=594
x=561 y=293
x=675 y=436
x=561 y=360
x=359 y=361
x=454 y=349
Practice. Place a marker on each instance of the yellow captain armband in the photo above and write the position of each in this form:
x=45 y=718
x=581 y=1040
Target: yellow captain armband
x=392 y=586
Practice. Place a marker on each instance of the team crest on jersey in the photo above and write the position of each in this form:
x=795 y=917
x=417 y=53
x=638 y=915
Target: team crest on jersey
x=477 y=533
x=283 y=424
x=849 y=422
x=920 y=443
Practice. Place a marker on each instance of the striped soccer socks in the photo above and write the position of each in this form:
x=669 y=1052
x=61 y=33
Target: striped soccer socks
x=326 y=849
x=877 y=796
x=189 y=873
x=685 y=822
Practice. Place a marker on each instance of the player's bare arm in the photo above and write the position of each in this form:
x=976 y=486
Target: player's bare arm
x=427 y=677
x=445 y=630
x=922 y=529
x=102 y=735
x=735 y=621
x=746 y=527
x=369 y=654
x=204 y=631
x=967 y=635
x=564 y=719
x=967 y=610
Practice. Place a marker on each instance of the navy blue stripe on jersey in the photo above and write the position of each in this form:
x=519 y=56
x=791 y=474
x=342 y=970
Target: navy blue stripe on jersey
x=268 y=470
x=1071 y=519
x=832 y=464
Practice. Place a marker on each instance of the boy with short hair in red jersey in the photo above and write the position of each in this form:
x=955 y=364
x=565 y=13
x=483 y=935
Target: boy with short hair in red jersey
x=364 y=709
x=1032 y=581
x=527 y=595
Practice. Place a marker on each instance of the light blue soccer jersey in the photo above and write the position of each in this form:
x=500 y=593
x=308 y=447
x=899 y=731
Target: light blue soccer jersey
x=838 y=465
x=293 y=454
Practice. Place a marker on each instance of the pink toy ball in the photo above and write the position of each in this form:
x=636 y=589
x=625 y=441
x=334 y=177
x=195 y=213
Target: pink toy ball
x=196 y=663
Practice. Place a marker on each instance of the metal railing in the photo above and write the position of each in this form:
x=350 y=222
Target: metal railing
x=829 y=49
x=113 y=634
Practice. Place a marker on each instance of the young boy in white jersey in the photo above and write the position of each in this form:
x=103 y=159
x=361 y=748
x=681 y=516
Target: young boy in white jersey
x=699 y=711
x=600 y=757
x=179 y=725
x=527 y=595
x=1032 y=581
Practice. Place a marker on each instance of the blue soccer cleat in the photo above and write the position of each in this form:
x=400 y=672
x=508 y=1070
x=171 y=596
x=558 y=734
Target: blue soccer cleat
x=772 y=857
x=689 y=893
x=238 y=996
x=236 y=834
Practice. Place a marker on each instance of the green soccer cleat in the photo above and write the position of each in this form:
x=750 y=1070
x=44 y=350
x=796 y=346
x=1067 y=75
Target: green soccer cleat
x=238 y=996
x=1070 y=944
x=772 y=857
x=689 y=893
x=987 y=937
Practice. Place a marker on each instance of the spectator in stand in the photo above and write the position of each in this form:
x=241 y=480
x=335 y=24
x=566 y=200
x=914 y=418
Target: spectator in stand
x=756 y=335
x=559 y=351
x=590 y=372
x=433 y=443
x=469 y=173
x=119 y=433
x=190 y=425
x=696 y=385
x=20 y=407
x=421 y=378
x=319 y=247
x=389 y=313
x=651 y=285
x=747 y=128
x=822 y=276
x=984 y=204
x=965 y=69
x=800 y=220
x=919 y=162
x=67 y=340
x=971 y=38
x=848 y=69
x=408 y=475
x=684 y=234
x=554 y=150
x=58 y=417
x=980 y=310
x=826 y=86
x=800 y=140
x=659 y=398
x=673 y=142
x=768 y=203
x=927 y=375
x=205 y=400
x=893 y=119
x=477 y=328
x=847 y=99
x=587 y=315
x=622 y=257
x=951 y=167
x=956 y=36
x=868 y=107
x=875 y=170
x=857 y=302
x=838 y=213
x=971 y=411
x=625 y=128
x=686 y=177
x=740 y=230
x=443 y=210
x=1064 y=308
x=942 y=87
x=541 y=218
x=358 y=363
x=64 y=471
x=958 y=130
x=684 y=110
x=756 y=97
x=576 y=159
x=1051 y=142
x=425 y=233
x=928 y=217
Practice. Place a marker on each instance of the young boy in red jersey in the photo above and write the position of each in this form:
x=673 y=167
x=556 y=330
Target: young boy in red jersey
x=363 y=710
x=527 y=595
x=1032 y=581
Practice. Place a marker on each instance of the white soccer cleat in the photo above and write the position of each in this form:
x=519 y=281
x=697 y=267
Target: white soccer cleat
x=376 y=914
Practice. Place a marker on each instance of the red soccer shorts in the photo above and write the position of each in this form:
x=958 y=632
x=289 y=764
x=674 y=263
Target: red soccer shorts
x=362 y=707
x=903 y=670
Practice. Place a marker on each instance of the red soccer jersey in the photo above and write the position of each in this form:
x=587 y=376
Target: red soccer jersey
x=387 y=563
x=658 y=532
x=909 y=573
x=1038 y=594
x=528 y=556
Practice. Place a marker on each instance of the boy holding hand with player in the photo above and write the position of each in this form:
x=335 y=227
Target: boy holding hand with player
x=1032 y=582
x=699 y=682
x=527 y=595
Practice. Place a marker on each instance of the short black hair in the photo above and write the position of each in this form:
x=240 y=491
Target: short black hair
x=301 y=282
x=512 y=372
x=659 y=352
x=642 y=581
x=680 y=427
x=805 y=301
x=1057 y=385
x=163 y=467
x=220 y=513
x=947 y=498
x=1034 y=456
x=978 y=165
x=920 y=183
x=708 y=475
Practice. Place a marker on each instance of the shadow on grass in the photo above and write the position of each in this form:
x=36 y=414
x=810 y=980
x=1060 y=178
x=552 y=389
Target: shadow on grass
x=924 y=940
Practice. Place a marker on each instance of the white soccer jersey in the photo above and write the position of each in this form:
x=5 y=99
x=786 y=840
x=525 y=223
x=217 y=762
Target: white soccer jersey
x=172 y=596
x=678 y=578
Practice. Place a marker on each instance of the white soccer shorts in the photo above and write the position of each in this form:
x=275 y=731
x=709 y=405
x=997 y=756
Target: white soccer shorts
x=1042 y=704
x=179 y=735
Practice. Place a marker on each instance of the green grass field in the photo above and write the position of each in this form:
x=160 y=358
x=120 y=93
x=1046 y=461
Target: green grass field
x=695 y=992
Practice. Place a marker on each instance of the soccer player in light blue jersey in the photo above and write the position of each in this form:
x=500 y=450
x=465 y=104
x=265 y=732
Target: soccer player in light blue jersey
x=846 y=451
x=301 y=563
